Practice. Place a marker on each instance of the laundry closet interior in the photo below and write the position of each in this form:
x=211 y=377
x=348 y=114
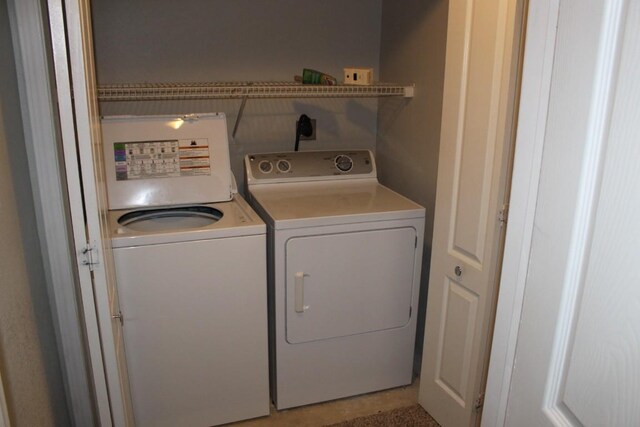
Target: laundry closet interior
x=200 y=41
x=229 y=43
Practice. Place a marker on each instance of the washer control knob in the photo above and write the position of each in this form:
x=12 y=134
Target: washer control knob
x=265 y=166
x=343 y=163
x=283 y=166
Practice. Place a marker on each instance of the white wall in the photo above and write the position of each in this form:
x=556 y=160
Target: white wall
x=28 y=354
x=413 y=50
x=239 y=40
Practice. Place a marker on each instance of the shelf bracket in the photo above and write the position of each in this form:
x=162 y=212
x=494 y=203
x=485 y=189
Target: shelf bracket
x=240 y=111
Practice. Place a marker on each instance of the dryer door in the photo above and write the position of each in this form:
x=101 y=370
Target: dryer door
x=348 y=283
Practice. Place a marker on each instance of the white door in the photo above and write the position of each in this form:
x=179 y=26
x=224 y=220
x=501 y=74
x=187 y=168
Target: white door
x=74 y=71
x=577 y=359
x=479 y=94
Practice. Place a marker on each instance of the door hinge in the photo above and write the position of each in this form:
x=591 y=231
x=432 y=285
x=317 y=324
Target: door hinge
x=118 y=317
x=479 y=402
x=503 y=215
x=90 y=253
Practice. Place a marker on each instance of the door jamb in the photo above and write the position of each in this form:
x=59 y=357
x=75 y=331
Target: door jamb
x=540 y=47
x=49 y=187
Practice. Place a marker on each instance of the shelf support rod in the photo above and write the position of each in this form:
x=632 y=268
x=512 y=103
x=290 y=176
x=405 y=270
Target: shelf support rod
x=240 y=111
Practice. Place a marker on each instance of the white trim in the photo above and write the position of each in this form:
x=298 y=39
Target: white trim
x=62 y=60
x=49 y=195
x=536 y=84
x=82 y=141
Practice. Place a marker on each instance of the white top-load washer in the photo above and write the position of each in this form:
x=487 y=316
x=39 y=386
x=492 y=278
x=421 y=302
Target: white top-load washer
x=344 y=261
x=190 y=272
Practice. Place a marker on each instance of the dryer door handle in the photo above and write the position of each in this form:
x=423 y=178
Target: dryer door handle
x=298 y=291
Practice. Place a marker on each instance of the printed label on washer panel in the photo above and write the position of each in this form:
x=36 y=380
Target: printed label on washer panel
x=162 y=159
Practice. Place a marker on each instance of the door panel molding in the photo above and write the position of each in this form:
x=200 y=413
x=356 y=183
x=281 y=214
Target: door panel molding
x=557 y=404
x=574 y=361
x=454 y=358
x=467 y=239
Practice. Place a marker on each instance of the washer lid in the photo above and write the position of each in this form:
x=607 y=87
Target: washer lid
x=166 y=160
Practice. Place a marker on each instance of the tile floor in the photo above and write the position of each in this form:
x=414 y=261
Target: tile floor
x=338 y=410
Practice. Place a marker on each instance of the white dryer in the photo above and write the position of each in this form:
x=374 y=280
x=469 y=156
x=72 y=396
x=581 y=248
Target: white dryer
x=190 y=271
x=344 y=271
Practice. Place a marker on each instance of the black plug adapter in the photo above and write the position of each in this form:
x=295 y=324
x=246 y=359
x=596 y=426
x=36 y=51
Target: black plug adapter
x=304 y=127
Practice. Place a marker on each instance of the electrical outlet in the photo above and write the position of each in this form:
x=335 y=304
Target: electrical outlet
x=311 y=137
x=358 y=76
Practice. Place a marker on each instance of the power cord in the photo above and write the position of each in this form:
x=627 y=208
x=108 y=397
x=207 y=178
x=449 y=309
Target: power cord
x=304 y=127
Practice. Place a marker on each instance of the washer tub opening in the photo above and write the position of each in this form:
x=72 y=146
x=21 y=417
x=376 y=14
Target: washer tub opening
x=170 y=218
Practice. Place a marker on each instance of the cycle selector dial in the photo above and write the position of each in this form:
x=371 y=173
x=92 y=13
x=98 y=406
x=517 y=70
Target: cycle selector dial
x=344 y=163
x=283 y=166
x=265 y=166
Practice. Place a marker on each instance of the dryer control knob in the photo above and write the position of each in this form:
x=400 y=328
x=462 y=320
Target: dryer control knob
x=265 y=166
x=344 y=163
x=284 y=165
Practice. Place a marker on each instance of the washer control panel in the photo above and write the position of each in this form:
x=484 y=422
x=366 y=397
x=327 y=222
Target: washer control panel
x=310 y=165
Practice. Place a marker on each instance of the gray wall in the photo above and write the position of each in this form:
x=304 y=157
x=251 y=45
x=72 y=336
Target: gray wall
x=28 y=355
x=200 y=40
x=204 y=40
x=413 y=50
x=239 y=40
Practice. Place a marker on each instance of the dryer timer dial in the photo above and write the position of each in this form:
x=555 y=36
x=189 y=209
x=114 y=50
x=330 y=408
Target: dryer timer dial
x=343 y=163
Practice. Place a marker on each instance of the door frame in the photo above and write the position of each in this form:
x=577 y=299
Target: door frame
x=538 y=62
x=73 y=68
x=40 y=122
x=542 y=18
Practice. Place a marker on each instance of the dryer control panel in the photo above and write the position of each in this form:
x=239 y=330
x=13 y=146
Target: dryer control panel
x=309 y=166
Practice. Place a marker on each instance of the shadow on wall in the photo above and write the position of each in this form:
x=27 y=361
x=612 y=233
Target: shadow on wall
x=412 y=50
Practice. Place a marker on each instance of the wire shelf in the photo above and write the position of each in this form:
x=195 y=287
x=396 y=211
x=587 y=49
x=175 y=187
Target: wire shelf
x=230 y=90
